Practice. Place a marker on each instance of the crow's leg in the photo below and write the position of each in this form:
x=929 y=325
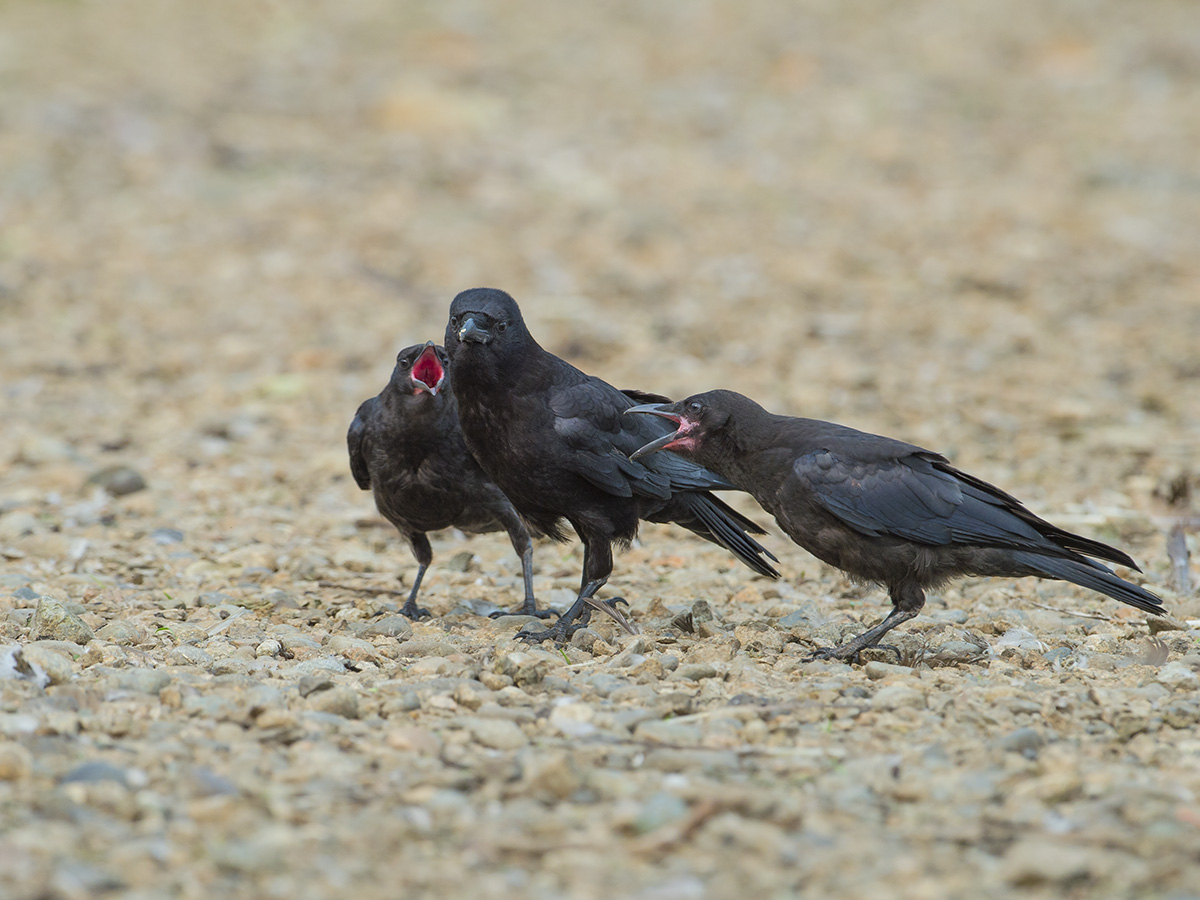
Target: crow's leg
x=424 y=554
x=907 y=600
x=597 y=566
x=523 y=544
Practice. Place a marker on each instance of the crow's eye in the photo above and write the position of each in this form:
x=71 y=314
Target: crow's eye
x=403 y=363
x=502 y=327
x=695 y=406
x=454 y=321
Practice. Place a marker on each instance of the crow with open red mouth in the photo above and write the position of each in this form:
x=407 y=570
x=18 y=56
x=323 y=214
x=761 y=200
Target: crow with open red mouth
x=555 y=440
x=879 y=509
x=406 y=447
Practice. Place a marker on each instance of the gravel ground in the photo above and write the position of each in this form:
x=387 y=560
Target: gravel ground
x=970 y=225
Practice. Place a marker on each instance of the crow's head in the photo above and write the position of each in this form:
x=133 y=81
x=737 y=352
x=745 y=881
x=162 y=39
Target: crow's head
x=485 y=322
x=421 y=369
x=699 y=419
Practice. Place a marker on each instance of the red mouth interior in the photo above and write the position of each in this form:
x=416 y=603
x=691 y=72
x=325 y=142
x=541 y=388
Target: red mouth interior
x=428 y=369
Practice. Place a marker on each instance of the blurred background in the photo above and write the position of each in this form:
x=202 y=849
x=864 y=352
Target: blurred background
x=971 y=225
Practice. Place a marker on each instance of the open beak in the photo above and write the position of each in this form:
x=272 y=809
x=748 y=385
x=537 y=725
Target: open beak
x=664 y=411
x=470 y=330
x=428 y=373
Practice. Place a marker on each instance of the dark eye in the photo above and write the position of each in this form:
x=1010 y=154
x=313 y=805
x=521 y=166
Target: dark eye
x=403 y=363
x=502 y=327
x=695 y=406
x=454 y=321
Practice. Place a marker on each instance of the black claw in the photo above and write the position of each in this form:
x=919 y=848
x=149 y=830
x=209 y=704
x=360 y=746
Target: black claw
x=414 y=612
x=522 y=611
x=612 y=602
x=556 y=633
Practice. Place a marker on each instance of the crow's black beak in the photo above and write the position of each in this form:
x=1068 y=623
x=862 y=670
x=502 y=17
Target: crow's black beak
x=470 y=330
x=655 y=409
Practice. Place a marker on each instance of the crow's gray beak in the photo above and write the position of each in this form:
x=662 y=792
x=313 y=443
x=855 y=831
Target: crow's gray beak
x=471 y=331
x=655 y=409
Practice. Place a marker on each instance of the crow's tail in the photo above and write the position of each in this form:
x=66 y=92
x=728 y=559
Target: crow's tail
x=1093 y=575
x=716 y=521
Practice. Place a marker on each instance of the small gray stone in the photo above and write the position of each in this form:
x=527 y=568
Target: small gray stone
x=57 y=667
x=17 y=524
x=52 y=620
x=668 y=731
x=144 y=681
x=460 y=561
x=876 y=670
x=26 y=593
x=499 y=734
x=120 y=632
x=317 y=665
x=1178 y=676
x=389 y=626
x=898 y=696
x=1026 y=741
x=695 y=671
x=338 y=700
x=98 y=770
x=166 y=535
x=661 y=808
x=118 y=480
x=188 y=655
x=311 y=684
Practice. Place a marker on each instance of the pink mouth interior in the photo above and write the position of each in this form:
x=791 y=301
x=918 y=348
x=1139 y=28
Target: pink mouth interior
x=427 y=369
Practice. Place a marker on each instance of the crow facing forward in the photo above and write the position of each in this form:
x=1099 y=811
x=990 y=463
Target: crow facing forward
x=556 y=441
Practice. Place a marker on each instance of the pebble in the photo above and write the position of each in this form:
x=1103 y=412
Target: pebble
x=53 y=621
x=16 y=525
x=269 y=647
x=695 y=671
x=898 y=696
x=499 y=734
x=56 y=666
x=144 y=681
x=389 y=626
x=661 y=808
x=876 y=671
x=1031 y=862
x=1177 y=676
x=338 y=700
x=123 y=633
x=118 y=480
x=16 y=762
x=669 y=731
x=188 y=655
x=1026 y=741
x=573 y=719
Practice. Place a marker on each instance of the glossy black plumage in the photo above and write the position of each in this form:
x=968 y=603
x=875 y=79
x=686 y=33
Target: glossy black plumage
x=406 y=447
x=556 y=440
x=880 y=509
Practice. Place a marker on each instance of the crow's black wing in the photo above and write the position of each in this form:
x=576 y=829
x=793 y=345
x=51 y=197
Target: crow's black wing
x=356 y=442
x=916 y=496
x=589 y=415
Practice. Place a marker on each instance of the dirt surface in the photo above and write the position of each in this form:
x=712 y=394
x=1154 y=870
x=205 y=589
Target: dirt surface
x=970 y=225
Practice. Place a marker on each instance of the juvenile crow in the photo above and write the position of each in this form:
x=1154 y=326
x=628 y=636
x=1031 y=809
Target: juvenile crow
x=406 y=446
x=555 y=440
x=879 y=509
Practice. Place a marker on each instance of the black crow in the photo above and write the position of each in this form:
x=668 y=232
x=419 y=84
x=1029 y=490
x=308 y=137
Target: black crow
x=556 y=442
x=406 y=446
x=879 y=509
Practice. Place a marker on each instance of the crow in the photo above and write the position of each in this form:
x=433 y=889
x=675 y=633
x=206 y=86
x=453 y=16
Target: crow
x=405 y=446
x=556 y=442
x=879 y=509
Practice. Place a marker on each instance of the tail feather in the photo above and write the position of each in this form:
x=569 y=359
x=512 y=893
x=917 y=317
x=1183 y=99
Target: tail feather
x=715 y=521
x=1092 y=575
